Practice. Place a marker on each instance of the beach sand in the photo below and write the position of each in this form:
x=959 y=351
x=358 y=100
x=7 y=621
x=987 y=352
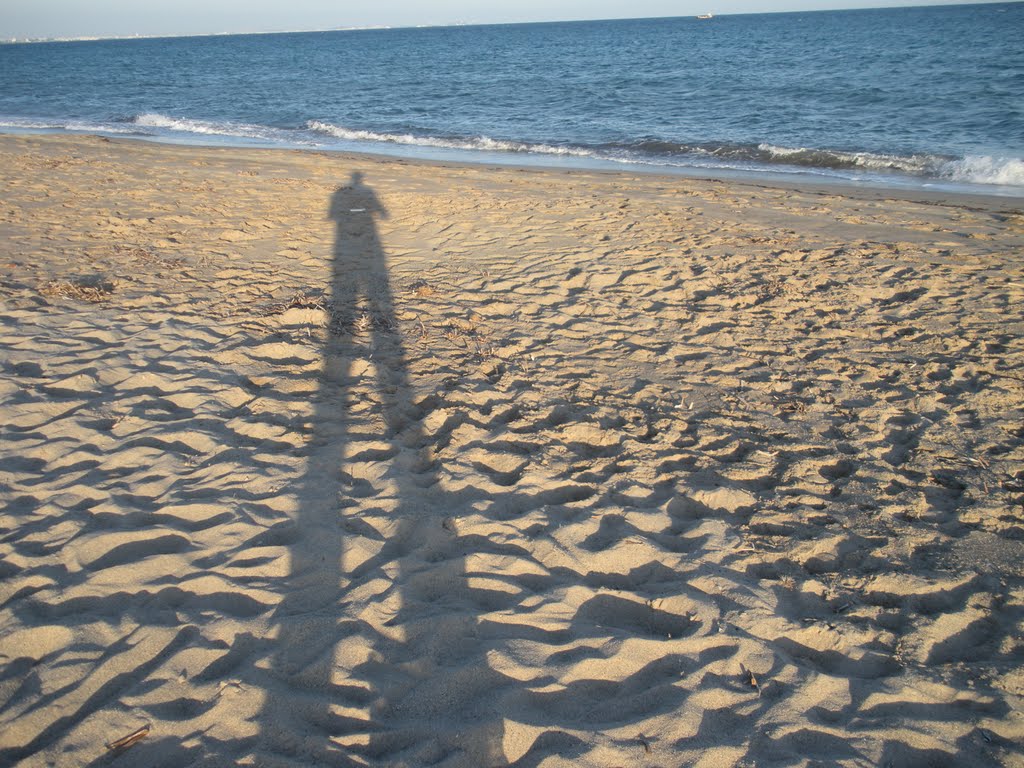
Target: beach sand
x=310 y=459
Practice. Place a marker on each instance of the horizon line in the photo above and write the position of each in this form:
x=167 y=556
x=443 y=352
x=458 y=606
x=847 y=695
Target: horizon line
x=457 y=24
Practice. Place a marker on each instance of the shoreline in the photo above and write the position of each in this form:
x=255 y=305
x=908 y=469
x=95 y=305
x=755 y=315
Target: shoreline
x=345 y=459
x=795 y=179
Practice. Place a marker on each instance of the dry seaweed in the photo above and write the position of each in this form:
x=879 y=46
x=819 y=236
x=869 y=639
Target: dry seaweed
x=91 y=289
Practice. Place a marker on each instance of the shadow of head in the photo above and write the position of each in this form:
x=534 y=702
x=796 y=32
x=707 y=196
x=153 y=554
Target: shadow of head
x=354 y=204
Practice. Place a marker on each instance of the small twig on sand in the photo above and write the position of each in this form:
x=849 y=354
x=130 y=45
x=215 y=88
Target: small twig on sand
x=130 y=740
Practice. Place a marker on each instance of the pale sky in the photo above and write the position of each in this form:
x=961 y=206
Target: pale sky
x=83 y=18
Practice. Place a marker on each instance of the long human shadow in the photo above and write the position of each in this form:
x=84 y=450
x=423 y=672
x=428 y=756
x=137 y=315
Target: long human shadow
x=320 y=709
x=303 y=697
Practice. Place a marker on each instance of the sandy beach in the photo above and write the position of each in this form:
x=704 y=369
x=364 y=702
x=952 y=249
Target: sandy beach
x=327 y=460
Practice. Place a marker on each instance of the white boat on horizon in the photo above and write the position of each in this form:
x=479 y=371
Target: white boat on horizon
x=706 y=16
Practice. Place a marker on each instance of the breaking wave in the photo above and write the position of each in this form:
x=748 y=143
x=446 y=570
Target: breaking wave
x=649 y=151
x=984 y=169
x=212 y=128
x=76 y=126
x=484 y=143
x=974 y=169
x=1005 y=171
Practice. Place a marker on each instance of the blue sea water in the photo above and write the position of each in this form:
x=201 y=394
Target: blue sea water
x=919 y=97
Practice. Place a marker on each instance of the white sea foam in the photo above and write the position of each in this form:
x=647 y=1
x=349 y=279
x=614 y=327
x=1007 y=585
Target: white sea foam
x=984 y=169
x=206 y=127
x=972 y=169
x=476 y=143
x=79 y=126
x=831 y=158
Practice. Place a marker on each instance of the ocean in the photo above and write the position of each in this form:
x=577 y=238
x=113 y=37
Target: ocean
x=924 y=97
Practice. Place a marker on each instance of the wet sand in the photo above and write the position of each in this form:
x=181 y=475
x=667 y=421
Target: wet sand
x=310 y=459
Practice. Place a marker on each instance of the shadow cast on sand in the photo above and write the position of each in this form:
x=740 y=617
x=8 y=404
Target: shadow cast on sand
x=352 y=690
